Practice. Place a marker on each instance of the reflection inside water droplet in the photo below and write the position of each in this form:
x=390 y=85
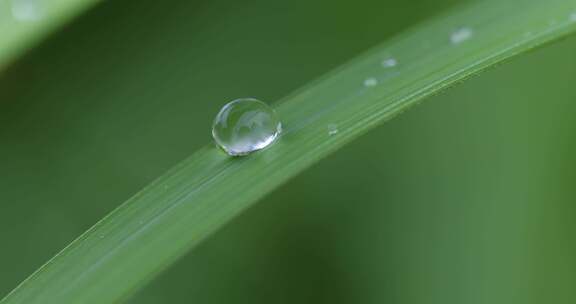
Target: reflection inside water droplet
x=460 y=35
x=27 y=10
x=245 y=125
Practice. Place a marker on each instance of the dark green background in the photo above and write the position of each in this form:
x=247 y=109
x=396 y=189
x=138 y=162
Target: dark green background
x=467 y=198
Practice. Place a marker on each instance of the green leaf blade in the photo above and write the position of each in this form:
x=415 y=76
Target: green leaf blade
x=175 y=213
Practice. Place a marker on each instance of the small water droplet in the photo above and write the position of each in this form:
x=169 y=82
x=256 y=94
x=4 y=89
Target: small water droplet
x=389 y=62
x=332 y=129
x=101 y=236
x=572 y=17
x=27 y=10
x=245 y=125
x=370 y=82
x=460 y=35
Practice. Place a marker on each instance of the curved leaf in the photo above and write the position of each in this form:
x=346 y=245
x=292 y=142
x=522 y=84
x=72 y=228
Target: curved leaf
x=168 y=218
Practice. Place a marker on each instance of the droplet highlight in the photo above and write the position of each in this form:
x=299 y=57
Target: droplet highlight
x=370 y=82
x=389 y=62
x=27 y=10
x=245 y=125
x=332 y=129
x=460 y=35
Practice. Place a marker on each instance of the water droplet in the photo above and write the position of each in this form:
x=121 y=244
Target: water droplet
x=572 y=17
x=460 y=35
x=27 y=10
x=245 y=125
x=389 y=62
x=370 y=82
x=332 y=129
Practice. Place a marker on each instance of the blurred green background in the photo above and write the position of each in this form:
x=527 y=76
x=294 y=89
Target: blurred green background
x=467 y=198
